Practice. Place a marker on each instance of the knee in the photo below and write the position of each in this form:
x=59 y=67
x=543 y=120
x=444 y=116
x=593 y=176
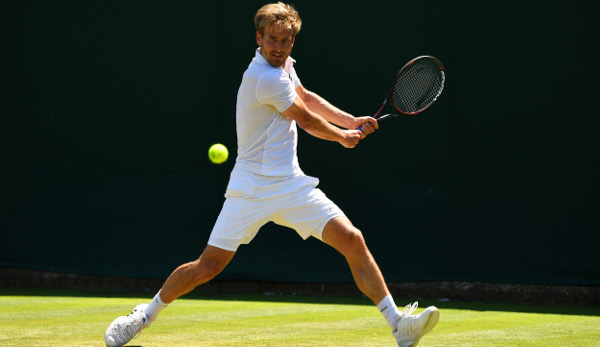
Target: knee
x=353 y=243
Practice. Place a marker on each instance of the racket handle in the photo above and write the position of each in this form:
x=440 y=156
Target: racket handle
x=378 y=120
x=381 y=118
x=361 y=127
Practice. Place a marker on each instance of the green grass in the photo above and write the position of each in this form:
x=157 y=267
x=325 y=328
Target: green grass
x=52 y=318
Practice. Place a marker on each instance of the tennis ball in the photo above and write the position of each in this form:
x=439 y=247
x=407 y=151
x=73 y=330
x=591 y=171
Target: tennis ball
x=218 y=153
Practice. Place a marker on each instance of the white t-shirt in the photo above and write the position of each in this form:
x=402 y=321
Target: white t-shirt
x=267 y=141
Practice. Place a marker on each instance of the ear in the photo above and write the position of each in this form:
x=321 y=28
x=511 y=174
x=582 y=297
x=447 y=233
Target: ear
x=258 y=38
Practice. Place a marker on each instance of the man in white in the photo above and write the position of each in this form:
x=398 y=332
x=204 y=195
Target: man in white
x=267 y=184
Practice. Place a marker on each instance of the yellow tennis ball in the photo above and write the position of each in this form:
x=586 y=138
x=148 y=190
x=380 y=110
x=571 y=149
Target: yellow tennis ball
x=218 y=153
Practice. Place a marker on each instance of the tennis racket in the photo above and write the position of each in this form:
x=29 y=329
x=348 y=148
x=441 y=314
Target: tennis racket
x=418 y=85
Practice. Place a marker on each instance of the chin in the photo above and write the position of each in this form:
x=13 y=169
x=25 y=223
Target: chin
x=278 y=63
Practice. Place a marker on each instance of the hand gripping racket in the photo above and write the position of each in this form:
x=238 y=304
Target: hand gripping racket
x=418 y=85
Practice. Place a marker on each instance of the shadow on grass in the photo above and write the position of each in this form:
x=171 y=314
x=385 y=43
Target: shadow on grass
x=442 y=304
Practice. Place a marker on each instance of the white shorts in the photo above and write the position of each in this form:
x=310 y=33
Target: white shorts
x=307 y=211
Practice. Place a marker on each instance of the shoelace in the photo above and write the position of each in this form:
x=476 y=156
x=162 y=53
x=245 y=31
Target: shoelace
x=409 y=309
x=135 y=328
x=406 y=321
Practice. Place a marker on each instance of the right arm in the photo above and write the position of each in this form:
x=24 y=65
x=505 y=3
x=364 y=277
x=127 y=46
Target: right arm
x=334 y=115
x=317 y=126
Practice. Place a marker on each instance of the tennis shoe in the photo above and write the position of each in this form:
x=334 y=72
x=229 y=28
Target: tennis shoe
x=411 y=328
x=126 y=328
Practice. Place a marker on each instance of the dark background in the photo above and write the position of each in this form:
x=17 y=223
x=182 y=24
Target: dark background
x=108 y=109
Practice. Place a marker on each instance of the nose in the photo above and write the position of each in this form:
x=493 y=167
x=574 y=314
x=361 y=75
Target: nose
x=278 y=45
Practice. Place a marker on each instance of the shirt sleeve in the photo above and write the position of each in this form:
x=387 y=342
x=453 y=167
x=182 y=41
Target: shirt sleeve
x=276 y=89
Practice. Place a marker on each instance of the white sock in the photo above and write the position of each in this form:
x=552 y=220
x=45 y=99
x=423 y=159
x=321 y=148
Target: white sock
x=155 y=307
x=388 y=309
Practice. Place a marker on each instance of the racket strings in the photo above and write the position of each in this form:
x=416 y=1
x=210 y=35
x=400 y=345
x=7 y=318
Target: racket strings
x=418 y=86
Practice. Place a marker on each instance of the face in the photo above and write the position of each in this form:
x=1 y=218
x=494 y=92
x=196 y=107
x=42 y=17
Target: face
x=276 y=46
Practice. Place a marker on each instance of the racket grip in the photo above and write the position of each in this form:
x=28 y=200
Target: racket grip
x=361 y=127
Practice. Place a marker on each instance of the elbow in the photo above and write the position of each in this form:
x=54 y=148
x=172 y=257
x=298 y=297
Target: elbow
x=306 y=123
x=308 y=97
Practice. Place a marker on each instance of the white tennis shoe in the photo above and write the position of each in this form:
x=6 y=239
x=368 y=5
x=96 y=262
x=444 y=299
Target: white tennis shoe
x=126 y=328
x=411 y=328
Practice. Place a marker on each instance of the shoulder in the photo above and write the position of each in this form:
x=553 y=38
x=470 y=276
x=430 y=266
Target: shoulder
x=274 y=79
x=265 y=72
x=273 y=73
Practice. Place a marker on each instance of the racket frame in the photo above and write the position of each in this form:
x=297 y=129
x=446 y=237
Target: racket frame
x=391 y=92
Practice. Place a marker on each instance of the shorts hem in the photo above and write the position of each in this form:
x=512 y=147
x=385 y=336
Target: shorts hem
x=319 y=231
x=226 y=244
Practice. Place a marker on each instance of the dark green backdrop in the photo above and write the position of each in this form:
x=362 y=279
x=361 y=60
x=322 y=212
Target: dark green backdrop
x=108 y=109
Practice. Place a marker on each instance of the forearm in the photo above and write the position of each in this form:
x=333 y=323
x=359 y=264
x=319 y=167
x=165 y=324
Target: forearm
x=332 y=114
x=313 y=123
x=317 y=126
x=320 y=128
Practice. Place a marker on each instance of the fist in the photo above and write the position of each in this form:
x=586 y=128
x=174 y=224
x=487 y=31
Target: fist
x=351 y=138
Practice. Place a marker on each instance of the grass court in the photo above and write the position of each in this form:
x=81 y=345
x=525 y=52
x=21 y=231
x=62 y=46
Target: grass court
x=76 y=318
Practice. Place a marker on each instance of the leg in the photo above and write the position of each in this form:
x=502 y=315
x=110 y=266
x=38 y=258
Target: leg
x=183 y=280
x=407 y=329
x=190 y=275
x=348 y=240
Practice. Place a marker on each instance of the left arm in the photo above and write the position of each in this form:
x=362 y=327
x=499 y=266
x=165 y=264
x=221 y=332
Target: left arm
x=334 y=115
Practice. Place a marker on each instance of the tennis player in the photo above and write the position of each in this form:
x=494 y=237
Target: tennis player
x=267 y=184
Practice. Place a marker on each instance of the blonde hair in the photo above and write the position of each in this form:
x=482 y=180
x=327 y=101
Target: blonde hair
x=280 y=16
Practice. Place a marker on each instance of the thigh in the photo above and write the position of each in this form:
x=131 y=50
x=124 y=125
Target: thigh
x=308 y=213
x=238 y=223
